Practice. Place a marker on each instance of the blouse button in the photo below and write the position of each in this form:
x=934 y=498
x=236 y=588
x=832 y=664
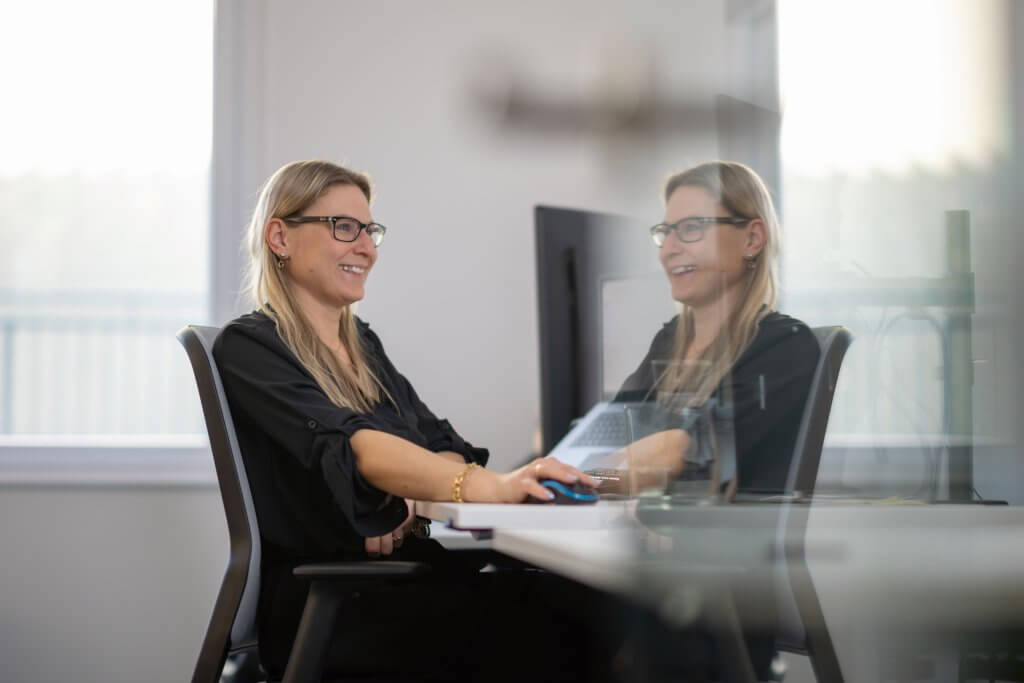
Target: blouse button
x=311 y=424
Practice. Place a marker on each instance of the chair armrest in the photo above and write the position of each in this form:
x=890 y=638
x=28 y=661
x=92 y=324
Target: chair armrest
x=351 y=570
x=330 y=583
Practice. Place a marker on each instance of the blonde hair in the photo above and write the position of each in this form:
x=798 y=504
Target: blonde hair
x=290 y=190
x=742 y=193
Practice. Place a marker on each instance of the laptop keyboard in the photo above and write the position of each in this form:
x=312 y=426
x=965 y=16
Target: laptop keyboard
x=608 y=429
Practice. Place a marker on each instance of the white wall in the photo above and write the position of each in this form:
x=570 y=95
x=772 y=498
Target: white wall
x=103 y=584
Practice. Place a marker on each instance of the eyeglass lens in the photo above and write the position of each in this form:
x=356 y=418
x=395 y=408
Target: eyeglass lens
x=686 y=230
x=347 y=230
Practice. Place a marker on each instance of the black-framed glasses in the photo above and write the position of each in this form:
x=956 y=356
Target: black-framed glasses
x=344 y=228
x=691 y=228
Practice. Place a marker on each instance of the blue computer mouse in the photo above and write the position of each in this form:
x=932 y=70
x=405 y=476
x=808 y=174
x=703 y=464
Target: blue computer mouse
x=569 y=494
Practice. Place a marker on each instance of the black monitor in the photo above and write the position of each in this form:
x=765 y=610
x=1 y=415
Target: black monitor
x=598 y=279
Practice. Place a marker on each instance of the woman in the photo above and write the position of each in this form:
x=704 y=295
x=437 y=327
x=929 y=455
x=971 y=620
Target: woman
x=335 y=438
x=728 y=353
x=730 y=374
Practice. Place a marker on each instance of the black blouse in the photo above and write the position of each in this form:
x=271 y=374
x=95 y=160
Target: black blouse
x=768 y=387
x=310 y=499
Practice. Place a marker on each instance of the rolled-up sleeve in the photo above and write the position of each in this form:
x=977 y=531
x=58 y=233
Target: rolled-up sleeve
x=266 y=383
x=445 y=438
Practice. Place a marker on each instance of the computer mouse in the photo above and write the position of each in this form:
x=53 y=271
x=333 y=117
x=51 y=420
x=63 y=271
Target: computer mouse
x=568 y=494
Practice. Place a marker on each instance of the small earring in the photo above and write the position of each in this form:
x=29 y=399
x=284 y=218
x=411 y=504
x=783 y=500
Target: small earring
x=281 y=259
x=751 y=260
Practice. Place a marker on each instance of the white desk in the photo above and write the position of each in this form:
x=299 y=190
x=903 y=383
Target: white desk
x=455 y=539
x=487 y=516
x=719 y=545
x=872 y=559
x=891 y=581
x=599 y=558
x=961 y=565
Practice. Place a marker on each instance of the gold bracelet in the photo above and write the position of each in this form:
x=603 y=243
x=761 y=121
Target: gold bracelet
x=458 y=481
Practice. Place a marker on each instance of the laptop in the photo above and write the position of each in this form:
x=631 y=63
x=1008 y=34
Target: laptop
x=598 y=444
x=595 y=441
x=632 y=310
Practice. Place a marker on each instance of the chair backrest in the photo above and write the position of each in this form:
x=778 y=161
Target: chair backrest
x=803 y=471
x=232 y=627
x=801 y=624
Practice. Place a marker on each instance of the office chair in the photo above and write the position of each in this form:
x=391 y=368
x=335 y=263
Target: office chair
x=802 y=627
x=229 y=649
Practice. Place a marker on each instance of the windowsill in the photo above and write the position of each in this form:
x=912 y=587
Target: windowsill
x=106 y=461
x=920 y=440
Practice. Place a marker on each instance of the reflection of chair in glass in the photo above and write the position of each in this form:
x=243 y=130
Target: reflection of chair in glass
x=802 y=627
x=229 y=650
x=803 y=471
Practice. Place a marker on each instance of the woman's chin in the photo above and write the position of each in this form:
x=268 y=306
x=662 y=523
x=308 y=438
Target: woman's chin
x=685 y=296
x=692 y=299
x=347 y=298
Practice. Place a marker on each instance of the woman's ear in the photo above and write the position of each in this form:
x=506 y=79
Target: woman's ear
x=276 y=235
x=757 y=236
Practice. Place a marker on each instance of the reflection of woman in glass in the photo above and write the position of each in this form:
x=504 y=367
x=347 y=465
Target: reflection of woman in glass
x=728 y=347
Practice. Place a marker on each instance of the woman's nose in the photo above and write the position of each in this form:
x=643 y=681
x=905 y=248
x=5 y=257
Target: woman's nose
x=672 y=243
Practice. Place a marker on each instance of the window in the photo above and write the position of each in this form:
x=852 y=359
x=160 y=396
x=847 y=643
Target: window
x=897 y=167
x=104 y=211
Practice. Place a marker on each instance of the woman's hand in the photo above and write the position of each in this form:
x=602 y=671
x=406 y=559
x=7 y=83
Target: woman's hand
x=388 y=543
x=485 y=486
x=655 y=460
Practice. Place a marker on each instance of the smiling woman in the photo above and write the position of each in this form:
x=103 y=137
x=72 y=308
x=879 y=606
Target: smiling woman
x=335 y=439
x=302 y=273
x=339 y=252
x=718 y=245
x=730 y=374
